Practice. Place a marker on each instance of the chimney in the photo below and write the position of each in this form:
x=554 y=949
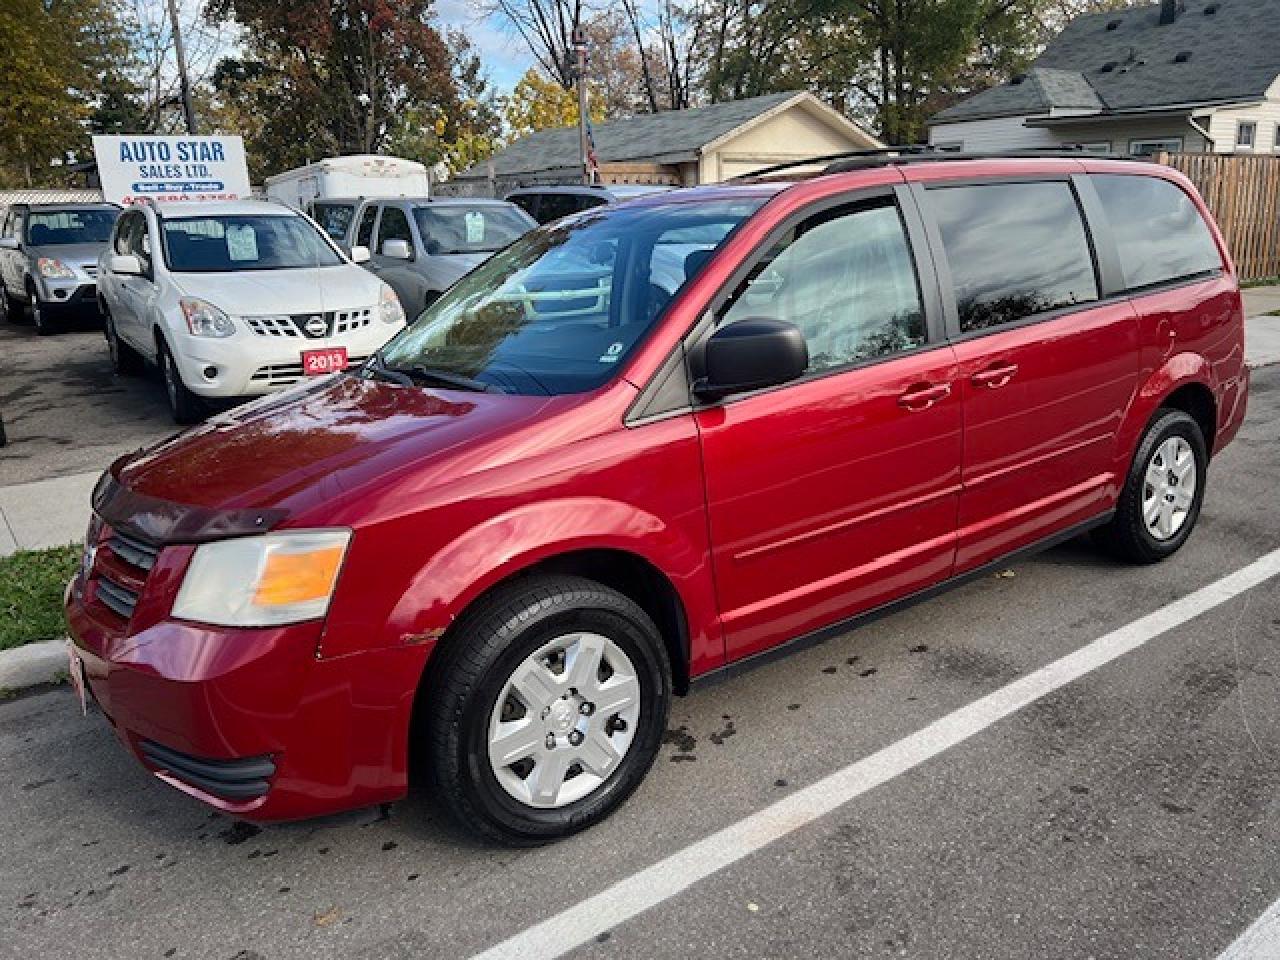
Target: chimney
x=1168 y=12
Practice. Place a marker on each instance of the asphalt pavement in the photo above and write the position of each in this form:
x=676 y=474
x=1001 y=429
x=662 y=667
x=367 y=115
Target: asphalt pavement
x=1129 y=813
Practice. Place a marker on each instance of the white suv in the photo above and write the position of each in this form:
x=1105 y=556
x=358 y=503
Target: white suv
x=236 y=299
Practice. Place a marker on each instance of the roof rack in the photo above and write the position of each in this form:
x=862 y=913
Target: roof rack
x=923 y=153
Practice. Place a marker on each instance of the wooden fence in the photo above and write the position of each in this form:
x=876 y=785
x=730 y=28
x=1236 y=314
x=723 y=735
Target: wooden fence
x=1244 y=194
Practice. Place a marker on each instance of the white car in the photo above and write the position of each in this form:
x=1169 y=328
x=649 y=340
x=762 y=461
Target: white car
x=236 y=299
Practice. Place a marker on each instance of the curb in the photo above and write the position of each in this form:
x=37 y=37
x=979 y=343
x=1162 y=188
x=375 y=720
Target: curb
x=32 y=664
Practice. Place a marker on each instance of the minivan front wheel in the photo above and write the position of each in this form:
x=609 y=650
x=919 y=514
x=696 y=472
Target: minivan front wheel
x=546 y=709
x=1162 y=495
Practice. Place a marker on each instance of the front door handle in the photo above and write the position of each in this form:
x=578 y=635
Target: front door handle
x=922 y=396
x=995 y=376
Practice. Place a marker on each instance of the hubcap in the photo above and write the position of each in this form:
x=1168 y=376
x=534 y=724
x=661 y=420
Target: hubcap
x=564 y=720
x=1170 y=488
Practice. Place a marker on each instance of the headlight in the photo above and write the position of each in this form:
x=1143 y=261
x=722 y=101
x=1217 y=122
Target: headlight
x=392 y=312
x=54 y=269
x=204 y=319
x=263 y=581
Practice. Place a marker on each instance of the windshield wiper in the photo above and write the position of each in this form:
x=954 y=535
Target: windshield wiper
x=445 y=378
x=376 y=367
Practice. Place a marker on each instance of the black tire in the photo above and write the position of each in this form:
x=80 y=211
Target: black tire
x=45 y=324
x=1128 y=535
x=10 y=307
x=185 y=406
x=479 y=656
x=125 y=361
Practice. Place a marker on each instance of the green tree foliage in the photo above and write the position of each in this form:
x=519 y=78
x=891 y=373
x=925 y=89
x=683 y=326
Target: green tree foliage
x=326 y=77
x=540 y=103
x=54 y=56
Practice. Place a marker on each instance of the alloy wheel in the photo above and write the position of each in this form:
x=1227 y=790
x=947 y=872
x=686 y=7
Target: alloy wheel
x=1169 y=489
x=564 y=720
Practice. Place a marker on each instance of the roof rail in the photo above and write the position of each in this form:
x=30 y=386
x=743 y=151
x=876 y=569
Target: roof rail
x=922 y=153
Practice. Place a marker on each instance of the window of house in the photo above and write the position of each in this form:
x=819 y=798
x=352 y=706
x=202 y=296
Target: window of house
x=847 y=280
x=1149 y=148
x=1246 y=135
x=1159 y=232
x=1015 y=250
x=1096 y=146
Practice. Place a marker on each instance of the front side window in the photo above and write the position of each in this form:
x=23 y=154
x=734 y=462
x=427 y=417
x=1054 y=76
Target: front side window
x=464 y=228
x=562 y=308
x=334 y=218
x=364 y=235
x=1159 y=232
x=140 y=242
x=124 y=232
x=557 y=205
x=394 y=225
x=847 y=280
x=1015 y=250
x=46 y=228
x=231 y=243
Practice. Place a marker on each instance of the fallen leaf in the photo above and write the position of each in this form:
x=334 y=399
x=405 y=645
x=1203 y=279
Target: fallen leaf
x=328 y=917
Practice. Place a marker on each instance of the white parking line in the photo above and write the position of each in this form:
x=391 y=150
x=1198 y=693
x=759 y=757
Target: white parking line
x=1260 y=942
x=651 y=886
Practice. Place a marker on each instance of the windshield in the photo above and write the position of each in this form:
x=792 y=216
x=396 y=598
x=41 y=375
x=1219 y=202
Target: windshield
x=229 y=243
x=55 y=227
x=459 y=228
x=558 y=310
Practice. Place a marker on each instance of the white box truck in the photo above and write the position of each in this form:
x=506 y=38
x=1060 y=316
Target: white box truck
x=365 y=175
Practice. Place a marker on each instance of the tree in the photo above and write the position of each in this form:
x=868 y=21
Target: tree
x=331 y=77
x=546 y=26
x=55 y=53
x=539 y=103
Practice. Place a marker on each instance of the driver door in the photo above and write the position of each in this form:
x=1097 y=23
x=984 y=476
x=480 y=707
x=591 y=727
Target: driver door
x=838 y=492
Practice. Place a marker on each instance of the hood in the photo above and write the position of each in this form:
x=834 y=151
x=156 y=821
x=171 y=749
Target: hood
x=456 y=265
x=319 y=442
x=257 y=292
x=72 y=254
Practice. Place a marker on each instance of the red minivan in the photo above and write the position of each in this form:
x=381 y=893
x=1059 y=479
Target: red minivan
x=643 y=445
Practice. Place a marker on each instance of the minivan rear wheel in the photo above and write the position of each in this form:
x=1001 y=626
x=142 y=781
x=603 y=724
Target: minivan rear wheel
x=546 y=709
x=1161 y=499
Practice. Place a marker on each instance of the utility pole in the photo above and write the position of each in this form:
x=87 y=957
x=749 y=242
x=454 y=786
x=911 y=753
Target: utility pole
x=580 y=50
x=188 y=108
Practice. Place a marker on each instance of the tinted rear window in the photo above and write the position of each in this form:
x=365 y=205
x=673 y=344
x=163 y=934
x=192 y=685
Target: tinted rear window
x=1159 y=232
x=1015 y=250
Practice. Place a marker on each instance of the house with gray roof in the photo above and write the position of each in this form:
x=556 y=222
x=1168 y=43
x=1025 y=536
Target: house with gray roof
x=677 y=147
x=1181 y=75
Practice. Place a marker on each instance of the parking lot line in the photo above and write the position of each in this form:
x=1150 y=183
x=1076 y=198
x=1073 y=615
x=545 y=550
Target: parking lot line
x=1261 y=941
x=651 y=886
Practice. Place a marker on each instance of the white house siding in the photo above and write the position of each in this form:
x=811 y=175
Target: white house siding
x=1222 y=125
x=795 y=133
x=1010 y=133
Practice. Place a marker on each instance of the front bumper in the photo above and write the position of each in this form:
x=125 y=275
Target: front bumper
x=70 y=294
x=249 y=721
x=248 y=364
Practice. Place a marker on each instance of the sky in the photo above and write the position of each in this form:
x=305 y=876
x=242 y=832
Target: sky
x=502 y=52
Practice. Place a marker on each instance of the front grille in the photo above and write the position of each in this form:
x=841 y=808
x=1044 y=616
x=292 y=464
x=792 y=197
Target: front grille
x=120 y=570
x=284 y=374
x=295 y=326
x=242 y=779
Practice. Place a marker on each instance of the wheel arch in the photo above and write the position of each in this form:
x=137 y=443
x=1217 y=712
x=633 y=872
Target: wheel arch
x=1184 y=382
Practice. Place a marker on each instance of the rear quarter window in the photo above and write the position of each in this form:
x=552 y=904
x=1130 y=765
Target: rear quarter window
x=1160 y=234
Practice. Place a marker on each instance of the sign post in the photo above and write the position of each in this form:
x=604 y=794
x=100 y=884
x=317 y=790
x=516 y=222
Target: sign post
x=134 y=169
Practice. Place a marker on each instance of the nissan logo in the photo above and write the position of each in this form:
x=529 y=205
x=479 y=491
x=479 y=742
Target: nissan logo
x=316 y=327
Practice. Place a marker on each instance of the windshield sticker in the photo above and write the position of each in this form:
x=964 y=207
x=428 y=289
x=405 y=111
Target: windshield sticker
x=242 y=242
x=475 y=226
x=611 y=355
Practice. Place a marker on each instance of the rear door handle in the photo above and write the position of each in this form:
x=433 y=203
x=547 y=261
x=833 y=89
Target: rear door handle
x=995 y=376
x=922 y=396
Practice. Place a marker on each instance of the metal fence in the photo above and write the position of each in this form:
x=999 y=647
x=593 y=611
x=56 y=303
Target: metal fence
x=1243 y=192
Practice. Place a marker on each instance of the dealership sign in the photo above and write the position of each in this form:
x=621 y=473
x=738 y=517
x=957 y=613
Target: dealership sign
x=134 y=169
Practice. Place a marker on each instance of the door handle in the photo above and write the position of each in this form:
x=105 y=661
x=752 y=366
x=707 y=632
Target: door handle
x=922 y=396
x=995 y=376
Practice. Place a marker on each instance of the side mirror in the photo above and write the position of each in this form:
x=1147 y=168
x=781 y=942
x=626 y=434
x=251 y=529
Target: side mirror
x=752 y=354
x=8 y=243
x=127 y=264
x=361 y=254
x=397 y=250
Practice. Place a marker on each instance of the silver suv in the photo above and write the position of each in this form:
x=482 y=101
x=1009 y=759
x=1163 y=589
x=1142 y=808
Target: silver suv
x=420 y=247
x=49 y=260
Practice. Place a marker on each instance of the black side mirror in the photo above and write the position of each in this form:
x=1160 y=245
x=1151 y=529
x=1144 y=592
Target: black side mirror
x=752 y=354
